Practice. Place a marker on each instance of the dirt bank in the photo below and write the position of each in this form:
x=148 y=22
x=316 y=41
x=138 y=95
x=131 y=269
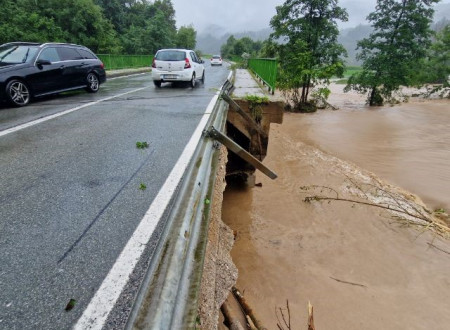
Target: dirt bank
x=359 y=266
x=219 y=272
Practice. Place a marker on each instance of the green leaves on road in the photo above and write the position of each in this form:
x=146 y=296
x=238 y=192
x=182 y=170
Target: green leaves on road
x=142 y=145
x=71 y=304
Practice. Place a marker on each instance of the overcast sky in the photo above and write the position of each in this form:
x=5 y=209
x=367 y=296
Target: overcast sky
x=249 y=15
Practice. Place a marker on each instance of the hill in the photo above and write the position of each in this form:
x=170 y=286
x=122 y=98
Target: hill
x=213 y=37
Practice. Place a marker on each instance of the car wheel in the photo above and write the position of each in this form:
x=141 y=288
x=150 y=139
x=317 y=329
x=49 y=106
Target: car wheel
x=157 y=83
x=193 y=80
x=92 y=83
x=18 y=93
x=203 y=77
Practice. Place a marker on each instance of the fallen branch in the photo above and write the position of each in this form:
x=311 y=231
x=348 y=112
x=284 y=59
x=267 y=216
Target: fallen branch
x=408 y=210
x=388 y=207
x=351 y=283
x=311 y=317
x=232 y=319
x=248 y=311
x=437 y=248
x=287 y=322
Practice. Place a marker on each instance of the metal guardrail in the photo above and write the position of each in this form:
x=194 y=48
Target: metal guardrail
x=117 y=62
x=169 y=293
x=266 y=69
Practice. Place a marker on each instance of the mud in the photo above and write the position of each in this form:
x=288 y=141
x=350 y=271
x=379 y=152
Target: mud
x=360 y=266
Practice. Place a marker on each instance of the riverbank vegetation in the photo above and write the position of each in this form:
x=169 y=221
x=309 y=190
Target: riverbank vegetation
x=305 y=37
x=399 y=41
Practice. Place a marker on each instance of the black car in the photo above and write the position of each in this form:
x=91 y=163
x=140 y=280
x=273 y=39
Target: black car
x=31 y=69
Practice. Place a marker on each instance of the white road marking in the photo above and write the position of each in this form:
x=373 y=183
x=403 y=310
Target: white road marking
x=96 y=313
x=59 y=114
x=130 y=75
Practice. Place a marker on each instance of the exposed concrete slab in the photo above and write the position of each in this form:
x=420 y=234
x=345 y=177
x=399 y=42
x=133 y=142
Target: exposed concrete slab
x=245 y=85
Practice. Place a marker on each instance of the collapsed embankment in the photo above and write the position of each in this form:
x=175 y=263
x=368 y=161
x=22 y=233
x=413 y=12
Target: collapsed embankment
x=362 y=266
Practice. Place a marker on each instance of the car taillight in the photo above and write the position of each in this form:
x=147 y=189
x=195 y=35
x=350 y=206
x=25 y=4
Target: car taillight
x=187 y=64
x=153 y=63
x=102 y=65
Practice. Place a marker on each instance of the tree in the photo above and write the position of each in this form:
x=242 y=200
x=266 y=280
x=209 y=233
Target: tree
x=113 y=26
x=82 y=22
x=237 y=47
x=268 y=49
x=436 y=68
x=307 y=33
x=114 y=10
x=75 y=21
x=150 y=27
x=227 y=50
x=391 y=53
x=19 y=21
x=186 y=37
x=166 y=7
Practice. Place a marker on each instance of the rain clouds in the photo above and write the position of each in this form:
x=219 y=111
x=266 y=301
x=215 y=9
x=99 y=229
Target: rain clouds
x=249 y=15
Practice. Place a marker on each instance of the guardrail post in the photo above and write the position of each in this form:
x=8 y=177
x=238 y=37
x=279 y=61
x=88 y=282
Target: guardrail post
x=245 y=115
x=238 y=150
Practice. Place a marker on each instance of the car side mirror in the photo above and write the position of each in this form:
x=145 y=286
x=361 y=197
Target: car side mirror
x=41 y=63
x=201 y=61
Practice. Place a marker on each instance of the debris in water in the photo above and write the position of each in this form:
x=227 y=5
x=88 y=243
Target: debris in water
x=311 y=317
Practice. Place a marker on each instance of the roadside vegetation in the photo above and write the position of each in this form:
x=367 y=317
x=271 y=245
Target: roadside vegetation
x=105 y=26
x=240 y=50
x=305 y=39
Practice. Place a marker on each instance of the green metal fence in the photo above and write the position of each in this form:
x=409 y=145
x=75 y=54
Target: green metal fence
x=266 y=69
x=116 y=62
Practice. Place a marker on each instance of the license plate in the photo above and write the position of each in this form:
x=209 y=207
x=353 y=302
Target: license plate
x=170 y=76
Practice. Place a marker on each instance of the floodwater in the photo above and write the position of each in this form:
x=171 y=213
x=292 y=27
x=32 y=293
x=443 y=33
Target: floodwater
x=408 y=145
x=359 y=266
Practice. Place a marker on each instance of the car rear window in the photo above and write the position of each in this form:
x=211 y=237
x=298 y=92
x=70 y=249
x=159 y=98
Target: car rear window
x=86 y=54
x=216 y=56
x=171 y=55
x=69 y=54
x=50 y=54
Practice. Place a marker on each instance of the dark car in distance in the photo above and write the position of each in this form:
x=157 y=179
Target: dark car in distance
x=30 y=70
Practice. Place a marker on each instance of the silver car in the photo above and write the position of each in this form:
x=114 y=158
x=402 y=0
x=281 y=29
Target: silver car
x=173 y=65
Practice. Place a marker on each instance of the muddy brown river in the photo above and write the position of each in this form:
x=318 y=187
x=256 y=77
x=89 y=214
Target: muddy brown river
x=408 y=145
x=359 y=266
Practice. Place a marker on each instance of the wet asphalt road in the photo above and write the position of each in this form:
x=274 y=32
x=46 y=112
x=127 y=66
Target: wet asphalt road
x=69 y=188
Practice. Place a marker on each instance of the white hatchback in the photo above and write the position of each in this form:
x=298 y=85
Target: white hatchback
x=216 y=60
x=172 y=65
